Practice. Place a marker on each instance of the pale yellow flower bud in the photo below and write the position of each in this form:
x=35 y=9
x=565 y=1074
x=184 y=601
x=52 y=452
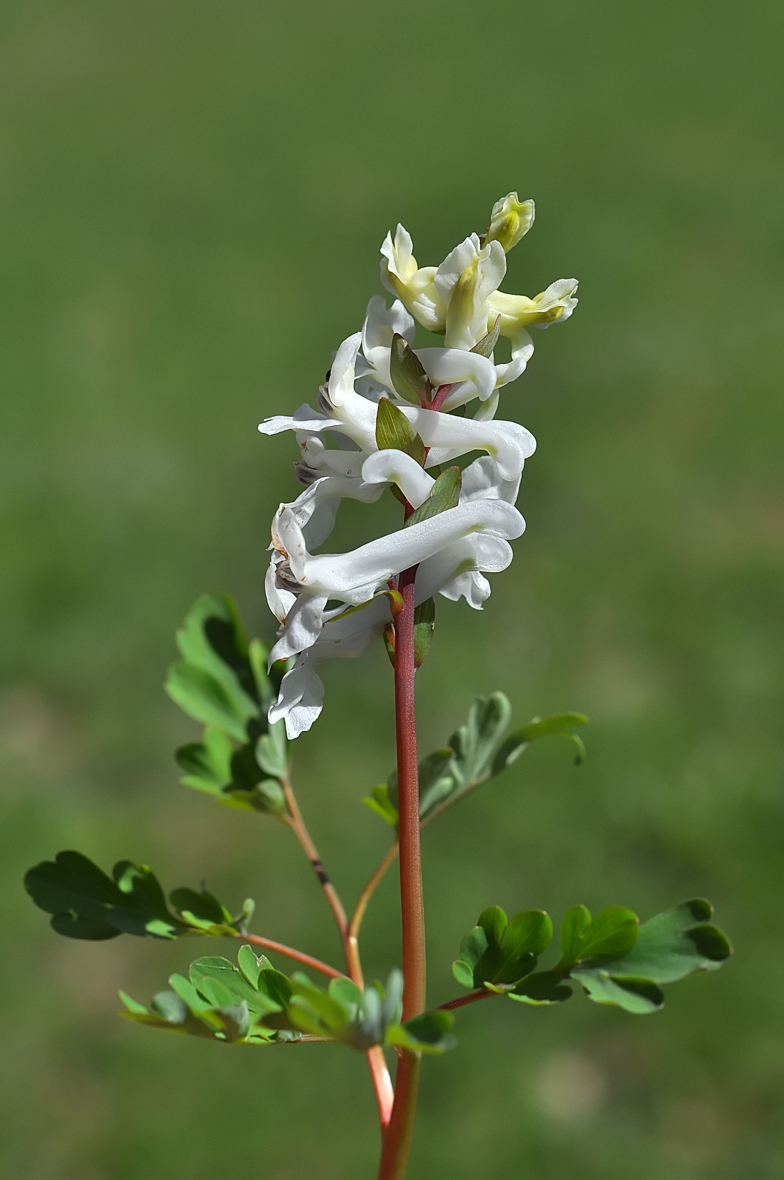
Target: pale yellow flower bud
x=510 y=220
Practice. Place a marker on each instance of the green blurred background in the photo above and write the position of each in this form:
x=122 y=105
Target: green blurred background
x=192 y=197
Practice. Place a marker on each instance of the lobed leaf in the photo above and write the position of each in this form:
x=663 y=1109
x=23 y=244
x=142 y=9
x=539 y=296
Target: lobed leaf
x=428 y=1033
x=85 y=903
x=498 y=953
x=477 y=752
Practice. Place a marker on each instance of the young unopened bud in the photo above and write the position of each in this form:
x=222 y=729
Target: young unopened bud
x=510 y=220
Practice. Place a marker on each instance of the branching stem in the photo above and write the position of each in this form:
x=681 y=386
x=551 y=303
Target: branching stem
x=280 y=948
x=382 y=1082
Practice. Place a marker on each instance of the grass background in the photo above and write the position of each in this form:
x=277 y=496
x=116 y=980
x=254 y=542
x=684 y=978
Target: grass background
x=192 y=200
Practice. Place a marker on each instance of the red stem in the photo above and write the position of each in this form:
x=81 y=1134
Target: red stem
x=411 y=901
x=397 y=1140
x=300 y=956
x=471 y=998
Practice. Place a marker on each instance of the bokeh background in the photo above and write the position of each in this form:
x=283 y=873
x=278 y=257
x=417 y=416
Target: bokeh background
x=193 y=196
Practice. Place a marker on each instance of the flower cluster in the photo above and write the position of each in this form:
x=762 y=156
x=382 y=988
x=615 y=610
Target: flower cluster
x=392 y=416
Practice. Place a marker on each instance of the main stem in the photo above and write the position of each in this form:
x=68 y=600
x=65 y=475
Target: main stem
x=397 y=1141
x=411 y=901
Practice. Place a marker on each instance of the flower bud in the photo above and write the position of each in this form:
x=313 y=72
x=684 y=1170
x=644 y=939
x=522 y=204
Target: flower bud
x=510 y=220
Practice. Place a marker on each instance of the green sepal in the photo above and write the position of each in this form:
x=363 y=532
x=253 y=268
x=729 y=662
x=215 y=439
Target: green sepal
x=407 y=372
x=488 y=342
x=444 y=494
x=85 y=903
x=395 y=432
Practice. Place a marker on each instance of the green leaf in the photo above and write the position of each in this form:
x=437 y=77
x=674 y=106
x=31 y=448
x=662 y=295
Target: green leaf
x=271 y=752
x=407 y=372
x=207 y=764
x=202 y=910
x=444 y=494
x=233 y=776
x=219 y=1001
x=205 y=699
x=514 y=745
x=545 y=987
x=379 y=801
x=612 y=933
x=424 y=626
x=475 y=742
x=486 y=345
x=463 y=973
x=395 y=432
x=675 y=944
x=476 y=753
x=436 y=781
x=428 y=1033
x=85 y=903
x=575 y=923
x=636 y=995
x=498 y=952
x=212 y=639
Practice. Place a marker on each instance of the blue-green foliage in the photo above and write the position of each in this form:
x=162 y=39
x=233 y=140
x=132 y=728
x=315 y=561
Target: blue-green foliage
x=222 y=681
x=252 y=1003
x=476 y=753
x=85 y=903
x=614 y=958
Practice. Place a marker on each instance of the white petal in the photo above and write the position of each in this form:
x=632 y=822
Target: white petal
x=305 y=418
x=483 y=481
x=280 y=601
x=508 y=442
x=472 y=586
x=396 y=467
x=446 y=366
x=349 y=576
x=304 y=623
x=381 y=323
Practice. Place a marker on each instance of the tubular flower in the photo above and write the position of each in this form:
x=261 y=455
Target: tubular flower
x=334 y=604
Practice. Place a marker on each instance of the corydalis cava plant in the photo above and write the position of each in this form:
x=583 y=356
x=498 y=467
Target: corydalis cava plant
x=420 y=424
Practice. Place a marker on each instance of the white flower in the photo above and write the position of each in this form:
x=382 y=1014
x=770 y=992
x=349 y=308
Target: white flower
x=354 y=577
x=301 y=696
x=461 y=296
x=465 y=280
x=452 y=550
x=414 y=285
